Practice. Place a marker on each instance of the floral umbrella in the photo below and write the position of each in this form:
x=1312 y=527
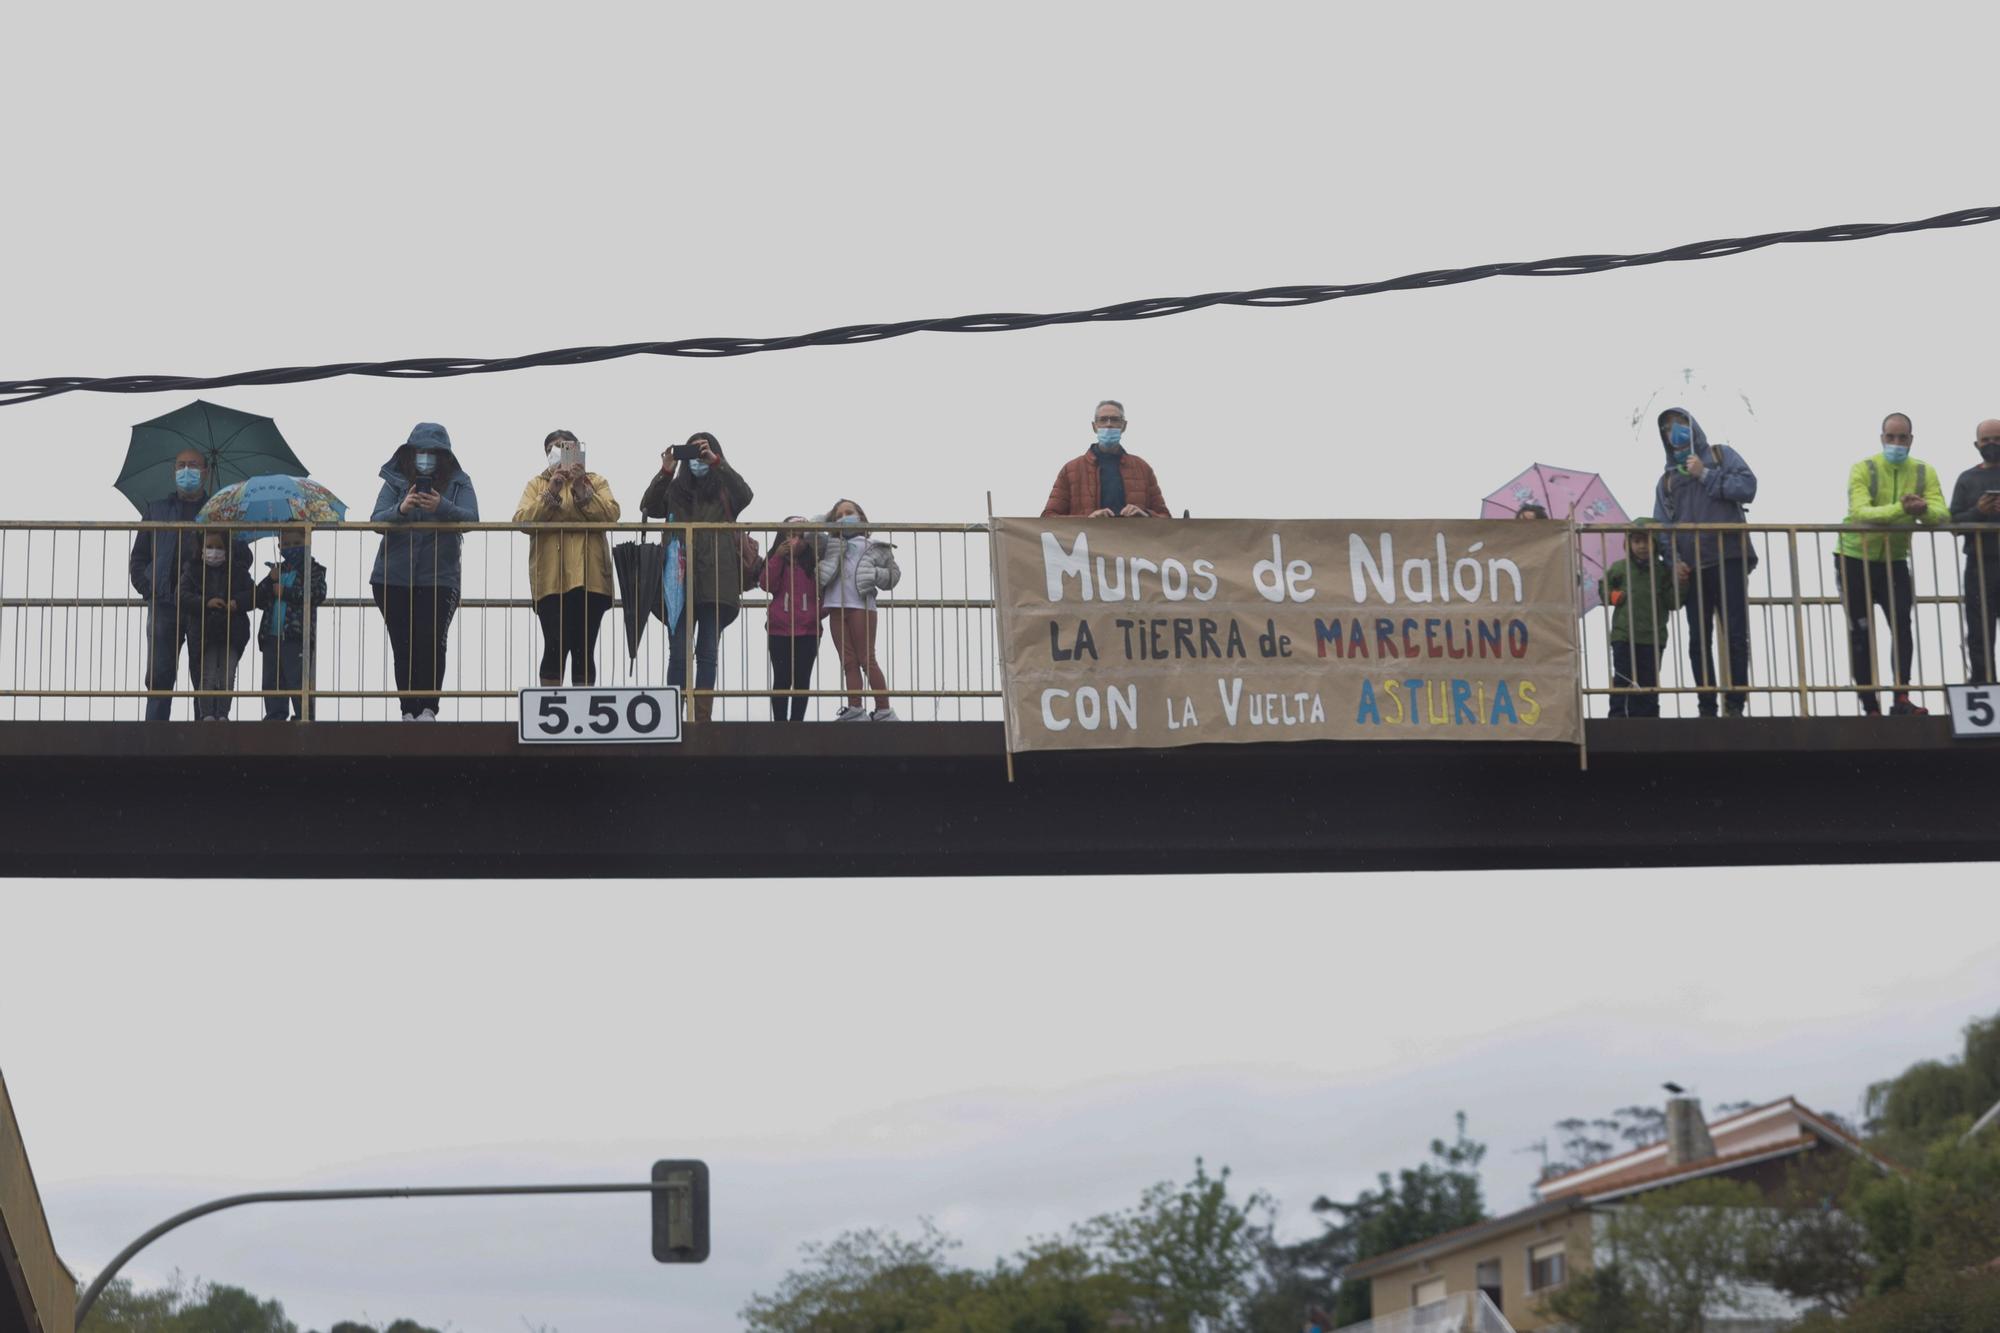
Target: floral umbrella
x=1568 y=495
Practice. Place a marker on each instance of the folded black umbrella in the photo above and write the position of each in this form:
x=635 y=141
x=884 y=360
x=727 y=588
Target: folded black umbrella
x=639 y=567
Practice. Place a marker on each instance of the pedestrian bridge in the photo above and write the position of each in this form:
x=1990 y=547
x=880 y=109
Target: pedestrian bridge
x=94 y=791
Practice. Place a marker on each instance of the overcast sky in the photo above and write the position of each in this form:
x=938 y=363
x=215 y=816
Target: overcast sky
x=214 y=190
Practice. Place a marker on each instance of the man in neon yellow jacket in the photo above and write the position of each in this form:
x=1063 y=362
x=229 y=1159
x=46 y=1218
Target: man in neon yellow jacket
x=1893 y=489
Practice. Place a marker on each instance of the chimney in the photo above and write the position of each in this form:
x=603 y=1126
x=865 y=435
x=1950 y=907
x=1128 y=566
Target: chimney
x=1687 y=1132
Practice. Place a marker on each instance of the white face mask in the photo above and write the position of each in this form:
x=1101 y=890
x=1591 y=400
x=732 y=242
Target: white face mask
x=555 y=455
x=213 y=555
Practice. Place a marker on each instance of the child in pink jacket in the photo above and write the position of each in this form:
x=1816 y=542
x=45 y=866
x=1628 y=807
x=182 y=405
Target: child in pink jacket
x=792 y=622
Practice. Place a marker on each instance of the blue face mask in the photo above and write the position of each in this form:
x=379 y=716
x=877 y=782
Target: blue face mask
x=292 y=553
x=188 y=479
x=698 y=467
x=1108 y=436
x=849 y=520
x=1680 y=436
x=1897 y=454
x=425 y=463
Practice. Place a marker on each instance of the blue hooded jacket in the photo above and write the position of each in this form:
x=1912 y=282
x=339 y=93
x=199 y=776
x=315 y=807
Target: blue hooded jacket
x=423 y=557
x=1717 y=496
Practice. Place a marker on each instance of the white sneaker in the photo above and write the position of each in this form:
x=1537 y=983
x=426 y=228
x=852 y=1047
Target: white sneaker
x=427 y=716
x=884 y=715
x=849 y=713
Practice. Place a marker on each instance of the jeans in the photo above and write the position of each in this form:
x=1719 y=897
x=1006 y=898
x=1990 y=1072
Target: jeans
x=419 y=622
x=1865 y=585
x=1719 y=592
x=1635 y=664
x=284 y=669
x=792 y=659
x=219 y=657
x=710 y=619
x=569 y=631
x=1982 y=612
x=169 y=634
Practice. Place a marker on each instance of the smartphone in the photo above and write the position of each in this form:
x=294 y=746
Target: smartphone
x=686 y=453
x=424 y=486
x=572 y=455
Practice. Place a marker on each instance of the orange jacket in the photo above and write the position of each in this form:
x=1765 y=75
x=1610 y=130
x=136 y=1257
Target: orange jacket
x=1077 y=490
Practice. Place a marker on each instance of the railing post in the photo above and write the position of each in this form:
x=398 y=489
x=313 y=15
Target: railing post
x=305 y=634
x=1798 y=625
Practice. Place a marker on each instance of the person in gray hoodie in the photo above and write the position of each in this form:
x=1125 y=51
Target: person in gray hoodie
x=416 y=580
x=1707 y=483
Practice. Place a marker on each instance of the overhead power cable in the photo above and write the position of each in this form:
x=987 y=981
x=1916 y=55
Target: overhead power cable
x=442 y=367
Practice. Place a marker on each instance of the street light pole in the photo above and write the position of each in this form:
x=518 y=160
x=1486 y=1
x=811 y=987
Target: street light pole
x=110 y=1271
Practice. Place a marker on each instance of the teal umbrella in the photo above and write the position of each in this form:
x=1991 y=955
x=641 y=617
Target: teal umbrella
x=236 y=445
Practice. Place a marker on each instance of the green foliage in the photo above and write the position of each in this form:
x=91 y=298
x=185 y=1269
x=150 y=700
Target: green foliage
x=1815 y=1250
x=1967 y=1304
x=1439 y=1195
x=202 y=1307
x=1686 y=1251
x=1182 y=1260
x=1937 y=1221
x=1933 y=1099
x=1602 y=1300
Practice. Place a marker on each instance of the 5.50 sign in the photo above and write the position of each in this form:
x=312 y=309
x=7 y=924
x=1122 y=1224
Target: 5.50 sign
x=613 y=713
x=1975 y=710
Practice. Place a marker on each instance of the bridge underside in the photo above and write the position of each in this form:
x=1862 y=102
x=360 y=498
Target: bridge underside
x=269 y=800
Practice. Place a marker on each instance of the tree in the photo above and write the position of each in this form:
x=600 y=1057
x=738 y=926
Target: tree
x=1967 y=1304
x=1419 y=1202
x=1687 y=1251
x=182 y=1306
x=864 y=1282
x=1187 y=1251
x=1814 y=1249
x=1929 y=1224
x=1936 y=1098
x=1602 y=1299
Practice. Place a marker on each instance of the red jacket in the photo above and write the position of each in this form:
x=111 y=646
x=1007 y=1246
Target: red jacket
x=794 y=590
x=1077 y=490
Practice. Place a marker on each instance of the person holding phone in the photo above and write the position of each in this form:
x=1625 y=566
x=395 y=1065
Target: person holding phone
x=696 y=484
x=415 y=582
x=1975 y=501
x=569 y=571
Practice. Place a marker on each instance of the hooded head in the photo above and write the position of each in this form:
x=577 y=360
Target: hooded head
x=428 y=438
x=1680 y=436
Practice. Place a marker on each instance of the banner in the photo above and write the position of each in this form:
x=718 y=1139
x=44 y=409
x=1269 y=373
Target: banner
x=1154 y=632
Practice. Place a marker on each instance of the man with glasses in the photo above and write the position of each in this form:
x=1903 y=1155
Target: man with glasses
x=1106 y=482
x=1873 y=568
x=1976 y=500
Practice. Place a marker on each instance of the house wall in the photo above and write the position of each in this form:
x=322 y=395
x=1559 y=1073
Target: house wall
x=1392 y=1290
x=37 y=1294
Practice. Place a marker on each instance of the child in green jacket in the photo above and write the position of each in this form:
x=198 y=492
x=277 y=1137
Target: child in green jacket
x=1642 y=592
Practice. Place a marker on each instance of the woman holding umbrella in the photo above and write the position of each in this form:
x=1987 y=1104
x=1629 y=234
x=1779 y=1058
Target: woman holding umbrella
x=415 y=582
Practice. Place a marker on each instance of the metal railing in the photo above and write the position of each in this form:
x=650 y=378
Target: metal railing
x=1802 y=640
x=1460 y=1312
x=76 y=635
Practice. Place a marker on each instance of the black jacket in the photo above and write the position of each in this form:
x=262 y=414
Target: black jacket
x=160 y=558
x=294 y=602
x=229 y=581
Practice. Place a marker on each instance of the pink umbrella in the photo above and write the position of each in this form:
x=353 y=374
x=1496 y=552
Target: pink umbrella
x=1568 y=495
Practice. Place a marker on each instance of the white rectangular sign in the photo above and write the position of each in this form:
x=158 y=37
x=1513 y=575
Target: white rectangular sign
x=1975 y=710
x=584 y=714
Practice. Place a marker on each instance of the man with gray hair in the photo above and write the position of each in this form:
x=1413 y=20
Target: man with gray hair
x=1106 y=482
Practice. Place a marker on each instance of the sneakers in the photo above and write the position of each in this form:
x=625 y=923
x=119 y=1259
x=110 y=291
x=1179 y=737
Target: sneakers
x=884 y=715
x=1904 y=708
x=428 y=715
x=849 y=713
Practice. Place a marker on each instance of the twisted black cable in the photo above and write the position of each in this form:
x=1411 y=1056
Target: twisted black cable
x=25 y=391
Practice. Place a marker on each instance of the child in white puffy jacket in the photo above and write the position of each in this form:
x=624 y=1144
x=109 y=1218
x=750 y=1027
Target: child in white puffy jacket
x=853 y=567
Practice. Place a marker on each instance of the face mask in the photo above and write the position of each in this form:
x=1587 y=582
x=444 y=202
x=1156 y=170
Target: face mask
x=1108 y=436
x=188 y=479
x=426 y=464
x=213 y=556
x=555 y=455
x=292 y=553
x=1990 y=452
x=1895 y=453
x=849 y=520
x=696 y=466
x=1680 y=436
